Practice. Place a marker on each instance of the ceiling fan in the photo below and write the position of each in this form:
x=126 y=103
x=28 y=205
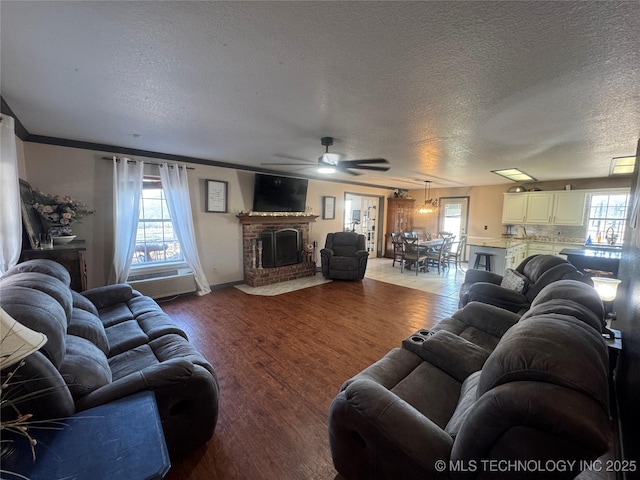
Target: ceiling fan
x=330 y=162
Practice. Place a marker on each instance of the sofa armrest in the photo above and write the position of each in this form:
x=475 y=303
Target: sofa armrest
x=362 y=253
x=151 y=378
x=475 y=276
x=327 y=252
x=108 y=295
x=452 y=354
x=493 y=294
x=390 y=418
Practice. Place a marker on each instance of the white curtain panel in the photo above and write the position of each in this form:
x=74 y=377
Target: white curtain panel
x=176 y=188
x=10 y=208
x=127 y=189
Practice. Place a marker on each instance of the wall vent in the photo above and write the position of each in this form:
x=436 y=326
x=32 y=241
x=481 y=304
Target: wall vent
x=163 y=285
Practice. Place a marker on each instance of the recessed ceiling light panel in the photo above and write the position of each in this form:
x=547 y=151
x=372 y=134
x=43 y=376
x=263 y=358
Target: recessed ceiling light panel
x=622 y=165
x=514 y=174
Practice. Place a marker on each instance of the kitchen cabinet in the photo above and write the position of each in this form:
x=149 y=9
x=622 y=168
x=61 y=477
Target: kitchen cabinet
x=544 y=248
x=568 y=208
x=514 y=208
x=515 y=254
x=399 y=220
x=544 y=208
x=539 y=208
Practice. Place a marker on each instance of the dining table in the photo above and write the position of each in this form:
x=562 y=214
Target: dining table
x=430 y=245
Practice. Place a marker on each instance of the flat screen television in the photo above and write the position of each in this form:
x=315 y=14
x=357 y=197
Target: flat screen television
x=274 y=193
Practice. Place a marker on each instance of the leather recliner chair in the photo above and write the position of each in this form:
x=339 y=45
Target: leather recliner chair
x=537 y=271
x=344 y=256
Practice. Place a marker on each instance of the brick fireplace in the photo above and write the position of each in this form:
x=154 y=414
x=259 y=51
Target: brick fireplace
x=253 y=228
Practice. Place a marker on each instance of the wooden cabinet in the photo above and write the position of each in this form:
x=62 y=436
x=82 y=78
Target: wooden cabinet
x=568 y=208
x=544 y=248
x=71 y=256
x=514 y=208
x=399 y=220
x=539 y=208
x=515 y=254
x=544 y=208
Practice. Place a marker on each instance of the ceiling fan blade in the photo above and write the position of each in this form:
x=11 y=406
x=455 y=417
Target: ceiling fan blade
x=291 y=157
x=288 y=164
x=367 y=167
x=365 y=161
x=347 y=170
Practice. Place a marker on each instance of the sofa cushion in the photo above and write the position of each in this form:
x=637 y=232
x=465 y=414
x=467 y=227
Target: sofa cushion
x=555 y=349
x=452 y=354
x=48 y=284
x=156 y=351
x=514 y=280
x=88 y=326
x=45 y=266
x=124 y=336
x=40 y=312
x=344 y=263
x=82 y=302
x=468 y=396
x=431 y=391
x=85 y=367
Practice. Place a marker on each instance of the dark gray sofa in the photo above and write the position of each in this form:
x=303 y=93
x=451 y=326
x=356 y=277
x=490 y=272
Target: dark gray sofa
x=537 y=271
x=104 y=344
x=539 y=394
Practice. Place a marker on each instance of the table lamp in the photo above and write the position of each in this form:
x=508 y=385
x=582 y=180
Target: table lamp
x=16 y=340
x=607 y=289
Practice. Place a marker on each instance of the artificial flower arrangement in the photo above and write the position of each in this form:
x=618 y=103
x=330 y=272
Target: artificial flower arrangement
x=59 y=210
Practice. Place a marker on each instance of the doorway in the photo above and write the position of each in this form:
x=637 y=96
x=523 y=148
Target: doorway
x=453 y=216
x=362 y=214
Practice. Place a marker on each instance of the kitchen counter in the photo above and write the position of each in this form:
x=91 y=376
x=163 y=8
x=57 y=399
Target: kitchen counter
x=494 y=242
x=591 y=252
x=589 y=260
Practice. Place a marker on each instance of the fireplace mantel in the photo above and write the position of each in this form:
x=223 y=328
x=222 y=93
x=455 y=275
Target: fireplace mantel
x=249 y=219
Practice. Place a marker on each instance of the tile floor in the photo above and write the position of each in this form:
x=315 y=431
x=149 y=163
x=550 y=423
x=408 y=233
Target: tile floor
x=446 y=283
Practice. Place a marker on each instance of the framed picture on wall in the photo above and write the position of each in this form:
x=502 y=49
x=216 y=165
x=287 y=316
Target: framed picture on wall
x=328 y=208
x=30 y=217
x=215 y=196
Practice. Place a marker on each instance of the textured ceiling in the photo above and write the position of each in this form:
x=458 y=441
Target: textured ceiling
x=446 y=91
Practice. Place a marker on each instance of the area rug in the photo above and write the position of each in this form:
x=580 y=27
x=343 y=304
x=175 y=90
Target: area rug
x=284 y=287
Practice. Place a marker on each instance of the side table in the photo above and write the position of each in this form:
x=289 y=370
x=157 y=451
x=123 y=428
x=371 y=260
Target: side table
x=122 y=439
x=71 y=256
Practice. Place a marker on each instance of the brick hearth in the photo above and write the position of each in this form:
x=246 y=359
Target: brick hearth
x=253 y=226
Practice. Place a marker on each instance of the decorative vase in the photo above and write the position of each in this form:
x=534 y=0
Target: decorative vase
x=60 y=230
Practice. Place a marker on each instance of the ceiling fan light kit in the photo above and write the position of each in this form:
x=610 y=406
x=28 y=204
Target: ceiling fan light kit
x=330 y=162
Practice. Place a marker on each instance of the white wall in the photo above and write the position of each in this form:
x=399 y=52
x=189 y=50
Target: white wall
x=85 y=176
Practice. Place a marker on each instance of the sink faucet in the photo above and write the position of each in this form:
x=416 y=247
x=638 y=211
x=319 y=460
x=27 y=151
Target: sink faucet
x=611 y=239
x=522 y=231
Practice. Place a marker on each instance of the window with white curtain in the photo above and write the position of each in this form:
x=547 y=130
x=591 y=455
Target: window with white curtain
x=156 y=241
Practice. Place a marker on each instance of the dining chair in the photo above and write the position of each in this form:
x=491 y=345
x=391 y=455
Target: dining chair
x=413 y=254
x=439 y=257
x=398 y=252
x=457 y=252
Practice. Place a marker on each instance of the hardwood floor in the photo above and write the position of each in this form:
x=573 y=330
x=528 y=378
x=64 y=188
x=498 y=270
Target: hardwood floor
x=281 y=360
